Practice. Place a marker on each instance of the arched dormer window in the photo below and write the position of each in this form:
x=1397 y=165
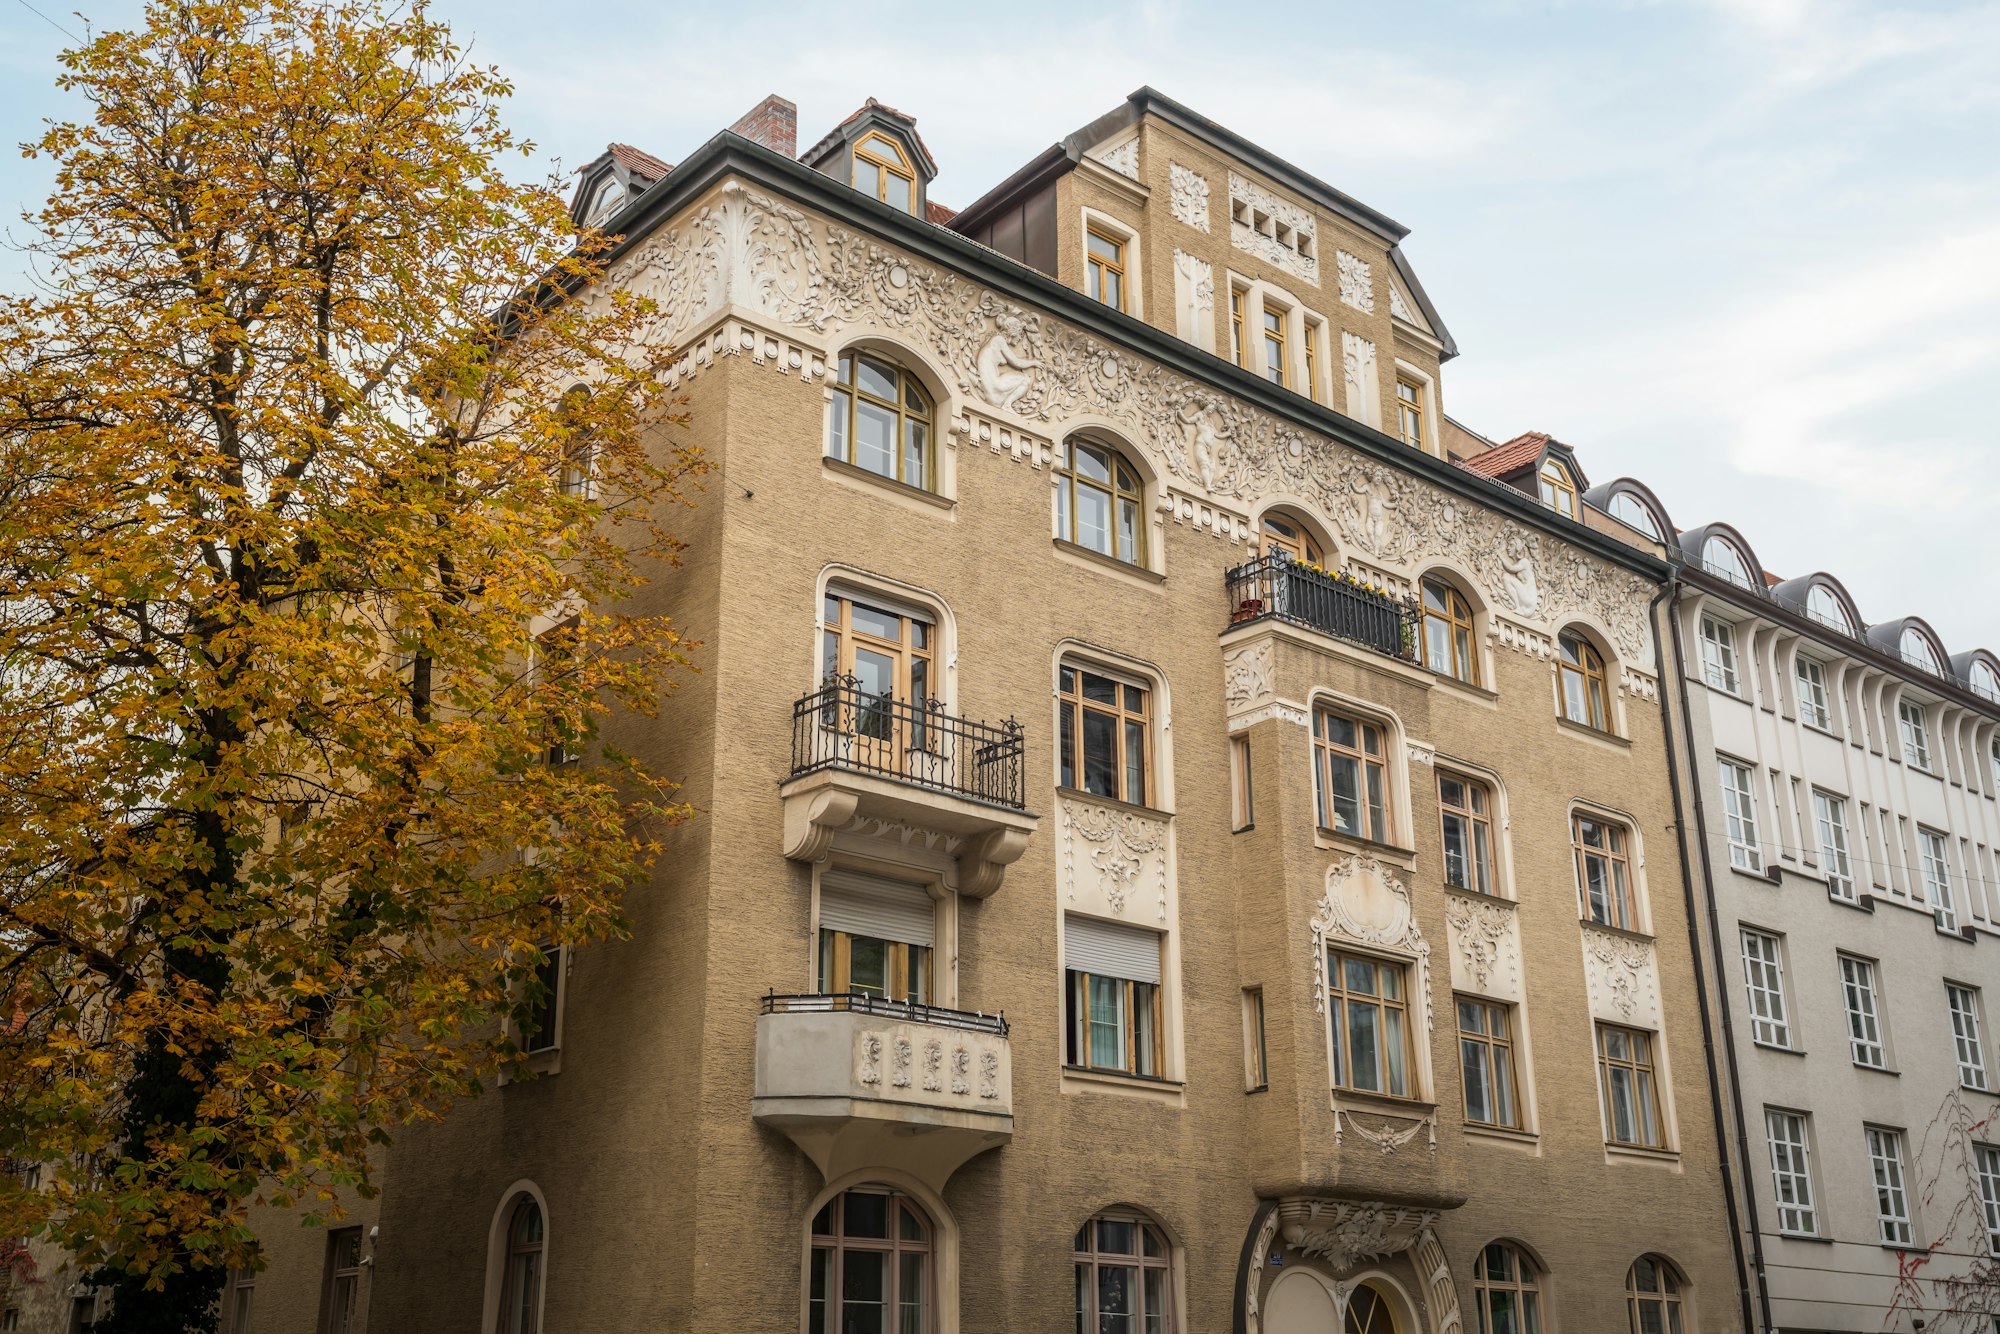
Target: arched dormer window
x=521 y=1286
x=1720 y=557
x=880 y=418
x=1986 y=682
x=1282 y=531
x=1558 y=488
x=1916 y=651
x=1653 y=1296
x=1580 y=672
x=883 y=170
x=1450 y=644
x=1100 y=501
x=1824 y=607
x=1629 y=510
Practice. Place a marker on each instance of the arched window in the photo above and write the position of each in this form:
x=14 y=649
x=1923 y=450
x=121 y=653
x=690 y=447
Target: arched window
x=879 y=418
x=1986 y=681
x=1368 y=1312
x=1123 y=1276
x=1558 y=491
x=1505 y=1291
x=1449 y=645
x=1825 y=608
x=605 y=202
x=1721 y=558
x=1282 y=532
x=1653 y=1293
x=1581 y=670
x=871 y=1265
x=1100 y=502
x=883 y=170
x=1917 y=650
x=1629 y=510
x=521 y=1288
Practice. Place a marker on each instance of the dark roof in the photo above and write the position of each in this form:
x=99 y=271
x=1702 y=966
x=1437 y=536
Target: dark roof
x=639 y=162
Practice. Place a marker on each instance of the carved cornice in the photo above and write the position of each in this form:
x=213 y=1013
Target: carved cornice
x=1347 y=1234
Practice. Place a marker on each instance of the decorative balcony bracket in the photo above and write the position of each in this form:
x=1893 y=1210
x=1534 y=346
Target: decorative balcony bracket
x=982 y=839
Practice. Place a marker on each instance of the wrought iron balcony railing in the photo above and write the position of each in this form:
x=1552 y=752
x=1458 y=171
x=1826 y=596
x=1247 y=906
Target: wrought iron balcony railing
x=857 y=1002
x=1277 y=586
x=845 y=726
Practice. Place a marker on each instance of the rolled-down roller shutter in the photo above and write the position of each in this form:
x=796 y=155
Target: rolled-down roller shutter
x=866 y=905
x=1111 y=950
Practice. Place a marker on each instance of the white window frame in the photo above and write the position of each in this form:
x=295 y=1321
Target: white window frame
x=1968 y=1042
x=1916 y=730
x=1863 y=1002
x=1986 y=1163
x=1739 y=805
x=1830 y=814
x=1764 y=980
x=1718 y=655
x=1791 y=1171
x=1892 y=1194
x=1814 y=707
x=1934 y=852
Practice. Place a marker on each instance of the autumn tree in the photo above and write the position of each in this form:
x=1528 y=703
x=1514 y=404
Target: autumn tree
x=324 y=471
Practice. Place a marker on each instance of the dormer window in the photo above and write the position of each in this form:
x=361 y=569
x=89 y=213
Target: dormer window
x=605 y=202
x=1917 y=652
x=1725 y=561
x=883 y=170
x=1825 y=608
x=1558 y=491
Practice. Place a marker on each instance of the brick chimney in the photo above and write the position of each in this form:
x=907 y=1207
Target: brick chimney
x=774 y=123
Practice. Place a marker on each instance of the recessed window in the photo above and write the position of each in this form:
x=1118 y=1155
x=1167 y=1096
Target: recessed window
x=883 y=170
x=240 y=1300
x=1106 y=735
x=1864 y=1018
x=1739 y=807
x=1824 y=607
x=879 y=418
x=882 y=657
x=1505 y=1291
x=1350 y=769
x=1718 y=654
x=1313 y=337
x=1936 y=858
x=875 y=937
x=573 y=478
x=1987 y=1160
x=1892 y=1199
x=1558 y=490
x=1629 y=510
x=1369 y=1013
x=1917 y=651
x=1603 y=872
x=1831 y=813
x=1283 y=533
x=1256 y=1067
x=1450 y=643
x=1967 y=1041
x=1916 y=728
x=1486 y=1061
x=541 y=1030
x=341 y=1306
x=1465 y=811
x=1242 y=798
x=1236 y=298
x=521 y=1279
x=1104 y=268
x=1124 y=1277
x=1410 y=414
x=1653 y=1296
x=1764 y=978
x=1113 y=1000
x=1580 y=674
x=871 y=1264
x=1100 y=502
x=1721 y=558
x=1791 y=1172
x=1813 y=710
x=1277 y=369
x=1631 y=1092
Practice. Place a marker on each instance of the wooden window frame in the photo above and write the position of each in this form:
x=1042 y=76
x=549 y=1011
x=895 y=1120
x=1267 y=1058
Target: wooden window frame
x=1140 y=1049
x=575 y=467
x=1915 y=726
x=1096 y=266
x=1273 y=319
x=1378 y=818
x=904 y=652
x=1556 y=487
x=1791 y=1171
x=1072 y=705
x=1454 y=614
x=1236 y=301
x=1309 y=348
x=1668 y=1297
x=1242 y=793
x=901 y=1250
x=1302 y=546
x=1524 y=1282
x=836 y=961
x=1478 y=832
x=1339 y=1028
x=886 y=167
x=1256 y=1052
x=1589 y=672
x=239 y=1302
x=1934 y=861
x=554 y=648
x=843 y=421
x=1413 y=407
x=543 y=1029
x=1986 y=1166
x=1764 y=985
x=336 y=1271
x=1499 y=1056
x=1642 y=1067
x=1151 y=1253
x=1622 y=907
x=1070 y=480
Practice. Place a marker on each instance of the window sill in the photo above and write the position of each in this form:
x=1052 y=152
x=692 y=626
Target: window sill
x=1621 y=931
x=1382 y=1104
x=1524 y=1140
x=1261 y=1088
x=1244 y=828
x=1770 y=875
x=1980 y=1089
x=1459 y=891
x=1588 y=733
x=1724 y=691
x=1138 y=573
x=1859 y=903
x=1774 y=1047
x=1642 y=1155
x=1333 y=838
x=1471 y=689
x=1806 y=1236
x=1084 y=1079
x=1079 y=794
x=846 y=471
x=1812 y=726
x=535 y=1065
x=1878 y=1069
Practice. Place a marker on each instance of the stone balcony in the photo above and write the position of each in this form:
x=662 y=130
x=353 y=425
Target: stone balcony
x=858 y=1082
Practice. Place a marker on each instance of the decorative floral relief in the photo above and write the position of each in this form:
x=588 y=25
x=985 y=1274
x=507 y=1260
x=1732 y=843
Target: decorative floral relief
x=1357 y=281
x=961 y=1069
x=1124 y=159
x=1478 y=927
x=900 y=1064
x=1366 y=903
x=989 y=1075
x=1624 y=967
x=1303 y=263
x=1428 y=1258
x=1119 y=846
x=934 y=1066
x=871 y=1058
x=1400 y=308
x=747 y=249
x=1253 y=1290
x=1357 y=361
x=1348 y=1233
x=1246 y=675
x=1190 y=195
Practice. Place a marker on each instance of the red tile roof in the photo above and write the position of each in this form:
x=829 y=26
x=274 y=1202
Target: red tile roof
x=938 y=213
x=639 y=162
x=1772 y=580
x=906 y=118
x=1516 y=454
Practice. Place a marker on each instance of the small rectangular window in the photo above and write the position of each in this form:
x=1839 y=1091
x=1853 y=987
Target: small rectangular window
x=1465 y=812
x=1113 y=996
x=1718 y=654
x=1764 y=976
x=1256 y=1071
x=1739 y=805
x=1937 y=879
x=1987 y=1159
x=1791 y=1172
x=1892 y=1201
x=1104 y=268
x=1963 y=1002
x=1410 y=411
x=1369 y=1015
x=1351 y=776
x=1312 y=341
x=1602 y=873
x=340 y=1294
x=1277 y=368
x=1916 y=734
x=1486 y=1062
x=875 y=937
x=1631 y=1093
x=539 y=1032
x=555 y=650
x=1106 y=735
x=239 y=1302
x=1236 y=325
x=1242 y=797
x=1813 y=709
x=1864 y=1021
x=1834 y=860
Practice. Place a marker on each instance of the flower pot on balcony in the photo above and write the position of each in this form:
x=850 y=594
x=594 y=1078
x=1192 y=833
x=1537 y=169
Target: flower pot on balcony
x=1249 y=609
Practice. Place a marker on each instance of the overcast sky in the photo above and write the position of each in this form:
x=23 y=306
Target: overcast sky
x=1745 y=250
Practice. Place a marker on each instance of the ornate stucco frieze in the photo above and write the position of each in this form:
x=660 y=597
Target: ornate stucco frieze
x=1283 y=213
x=1110 y=855
x=1347 y=1233
x=1357 y=281
x=1122 y=158
x=1189 y=196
